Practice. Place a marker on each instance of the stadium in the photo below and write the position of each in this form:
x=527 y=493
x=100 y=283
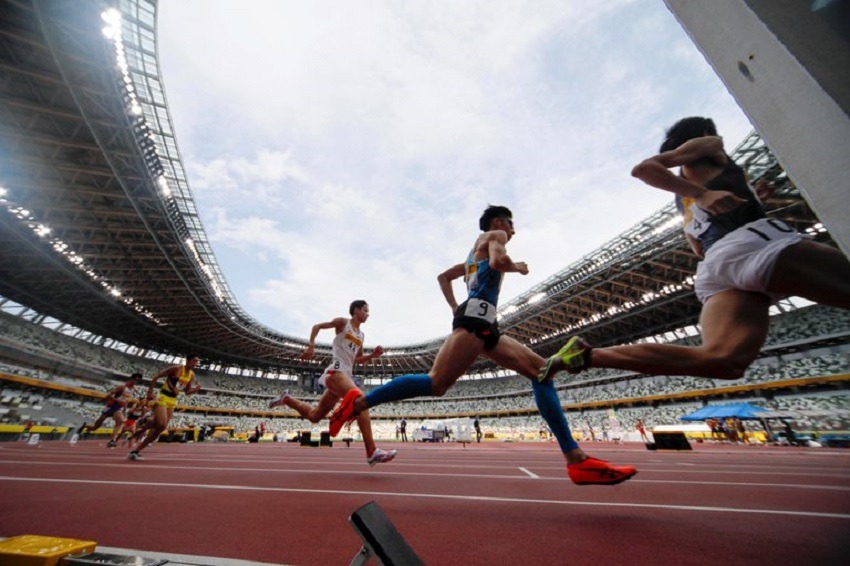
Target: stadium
x=107 y=270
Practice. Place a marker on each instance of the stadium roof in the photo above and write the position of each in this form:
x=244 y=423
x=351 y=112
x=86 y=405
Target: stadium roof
x=98 y=228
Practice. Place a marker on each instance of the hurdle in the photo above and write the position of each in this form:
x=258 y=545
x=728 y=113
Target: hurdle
x=380 y=539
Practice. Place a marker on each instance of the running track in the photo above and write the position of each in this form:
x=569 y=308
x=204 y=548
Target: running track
x=484 y=504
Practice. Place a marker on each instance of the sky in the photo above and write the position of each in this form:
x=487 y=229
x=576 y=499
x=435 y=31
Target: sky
x=345 y=150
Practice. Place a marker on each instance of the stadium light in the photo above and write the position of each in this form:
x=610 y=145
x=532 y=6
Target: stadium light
x=536 y=298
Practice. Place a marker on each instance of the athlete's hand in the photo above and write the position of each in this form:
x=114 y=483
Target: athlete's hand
x=308 y=353
x=522 y=267
x=764 y=189
x=379 y=350
x=718 y=202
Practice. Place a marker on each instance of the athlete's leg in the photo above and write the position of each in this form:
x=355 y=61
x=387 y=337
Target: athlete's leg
x=814 y=271
x=95 y=426
x=118 y=417
x=734 y=327
x=512 y=355
x=455 y=356
x=314 y=414
x=581 y=468
x=142 y=427
x=161 y=418
x=515 y=356
x=131 y=432
x=340 y=384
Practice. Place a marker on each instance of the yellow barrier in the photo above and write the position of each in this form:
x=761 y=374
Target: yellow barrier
x=41 y=429
x=36 y=550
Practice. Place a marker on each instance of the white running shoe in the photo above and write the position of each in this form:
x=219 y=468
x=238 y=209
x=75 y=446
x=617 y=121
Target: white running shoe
x=134 y=456
x=280 y=401
x=381 y=456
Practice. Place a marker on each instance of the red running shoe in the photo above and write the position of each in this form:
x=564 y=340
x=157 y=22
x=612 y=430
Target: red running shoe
x=344 y=414
x=595 y=471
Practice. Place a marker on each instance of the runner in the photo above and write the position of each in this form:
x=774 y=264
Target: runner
x=747 y=262
x=476 y=332
x=338 y=379
x=178 y=379
x=116 y=400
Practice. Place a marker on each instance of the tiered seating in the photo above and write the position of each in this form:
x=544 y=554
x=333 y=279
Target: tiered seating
x=468 y=397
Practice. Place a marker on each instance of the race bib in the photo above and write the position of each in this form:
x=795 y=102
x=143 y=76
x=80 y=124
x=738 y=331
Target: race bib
x=697 y=221
x=481 y=309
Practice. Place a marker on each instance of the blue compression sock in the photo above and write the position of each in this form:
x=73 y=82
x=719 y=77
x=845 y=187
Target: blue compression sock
x=550 y=409
x=404 y=387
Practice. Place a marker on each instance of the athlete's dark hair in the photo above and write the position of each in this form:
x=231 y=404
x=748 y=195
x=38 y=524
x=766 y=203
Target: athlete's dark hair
x=192 y=357
x=493 y=211
x=358 y=304
x=136 y=377
x=687 y=129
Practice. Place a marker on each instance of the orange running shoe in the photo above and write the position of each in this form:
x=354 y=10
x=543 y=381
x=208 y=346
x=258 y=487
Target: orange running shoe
x=595 y=471
x=344 y=414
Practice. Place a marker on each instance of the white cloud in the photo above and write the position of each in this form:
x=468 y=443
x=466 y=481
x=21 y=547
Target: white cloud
x=346 y=150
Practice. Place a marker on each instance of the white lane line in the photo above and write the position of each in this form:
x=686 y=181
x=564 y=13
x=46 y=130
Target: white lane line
x=388 y=472
x=696 y=508
x=543 y=465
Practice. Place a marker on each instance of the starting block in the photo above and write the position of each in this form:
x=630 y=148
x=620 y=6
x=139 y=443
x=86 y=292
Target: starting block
x=36 y=550
x=380 y=539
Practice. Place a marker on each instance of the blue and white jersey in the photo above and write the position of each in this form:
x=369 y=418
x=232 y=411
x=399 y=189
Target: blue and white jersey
x=482 y=281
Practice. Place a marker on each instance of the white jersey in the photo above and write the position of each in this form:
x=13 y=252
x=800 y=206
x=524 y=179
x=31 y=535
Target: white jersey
x=346 y=344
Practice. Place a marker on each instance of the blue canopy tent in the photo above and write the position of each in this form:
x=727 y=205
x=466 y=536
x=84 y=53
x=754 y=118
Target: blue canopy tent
x=738 y=410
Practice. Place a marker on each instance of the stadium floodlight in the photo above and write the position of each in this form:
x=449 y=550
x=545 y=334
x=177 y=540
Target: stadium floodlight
x=536 y=298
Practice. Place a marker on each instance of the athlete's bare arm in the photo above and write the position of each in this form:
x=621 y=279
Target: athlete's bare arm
x=655 y=172
x=445 y=279
x=498 y=254
x=115 y=390
x=360 y=358
x=696 y=245
x=194 y=387
x=337 y=324
x=167 y=371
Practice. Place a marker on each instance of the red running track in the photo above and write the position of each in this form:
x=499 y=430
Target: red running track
x=484 y=504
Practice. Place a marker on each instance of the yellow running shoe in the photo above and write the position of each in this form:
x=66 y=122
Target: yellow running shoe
x=571 y=357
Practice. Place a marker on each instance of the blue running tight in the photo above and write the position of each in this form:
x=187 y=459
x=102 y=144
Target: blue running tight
x=404 y=387
x=550 y=409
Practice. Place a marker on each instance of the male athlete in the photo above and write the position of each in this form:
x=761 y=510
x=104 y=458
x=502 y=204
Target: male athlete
x=747 y=262
x=347 y=350
x=178 y=379
x=476 y=332
x=116 y=400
